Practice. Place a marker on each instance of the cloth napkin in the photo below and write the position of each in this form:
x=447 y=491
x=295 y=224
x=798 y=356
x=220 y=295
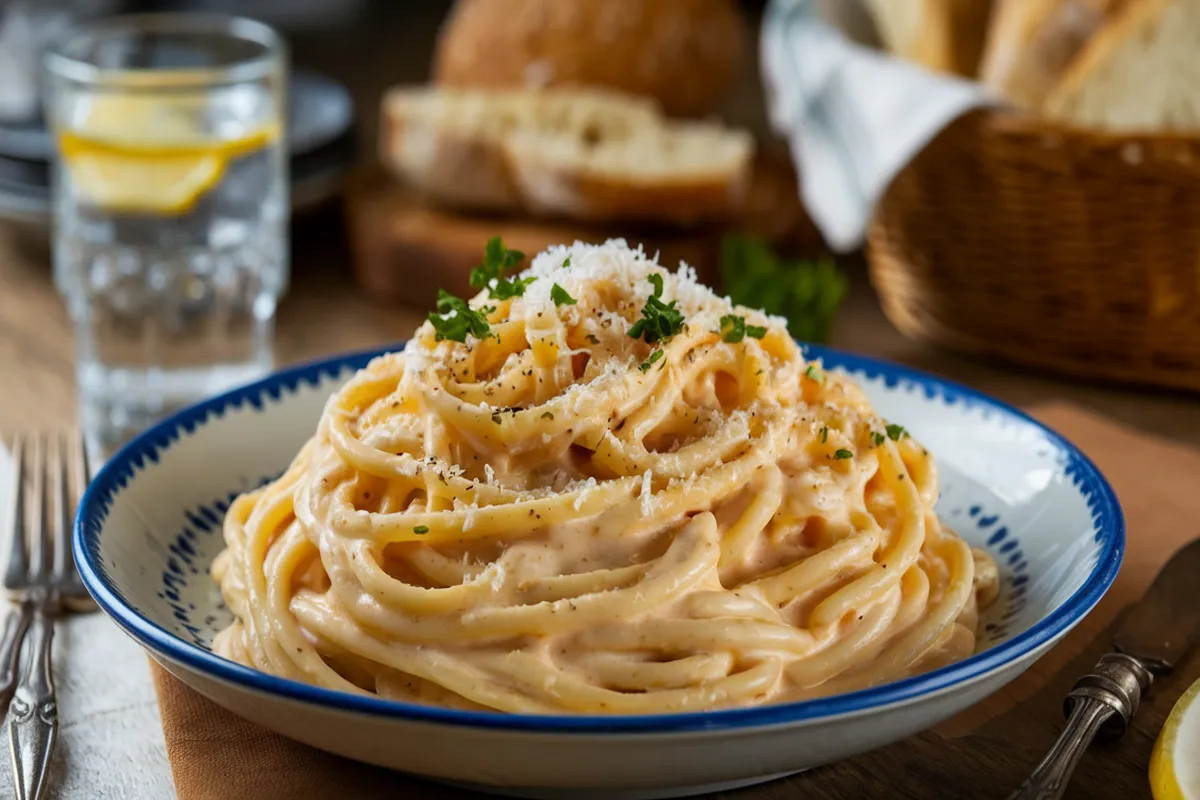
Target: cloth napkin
x=216 y=755
x=853 y=116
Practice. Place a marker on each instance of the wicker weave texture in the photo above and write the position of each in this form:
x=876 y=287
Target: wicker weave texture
x=1061 y=249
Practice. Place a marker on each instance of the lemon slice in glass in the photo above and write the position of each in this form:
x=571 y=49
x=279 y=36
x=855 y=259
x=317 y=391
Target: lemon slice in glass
x=131 y=154
x=1175 y=762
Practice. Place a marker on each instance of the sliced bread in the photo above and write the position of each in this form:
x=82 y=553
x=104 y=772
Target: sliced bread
x=580 y=154
x=1031 y=43
x=1138 y=73
x=942 y=35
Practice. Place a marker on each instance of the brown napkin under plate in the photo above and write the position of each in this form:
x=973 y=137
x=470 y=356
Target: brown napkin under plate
x=216 y=755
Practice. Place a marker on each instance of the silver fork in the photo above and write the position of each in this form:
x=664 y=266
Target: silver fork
x=41 y=577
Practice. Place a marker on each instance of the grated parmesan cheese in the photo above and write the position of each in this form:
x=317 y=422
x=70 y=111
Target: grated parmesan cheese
x=647 y=496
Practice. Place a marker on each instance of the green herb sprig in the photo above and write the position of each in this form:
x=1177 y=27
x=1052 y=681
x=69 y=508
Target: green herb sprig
x=454 y=319
x=498 y=259
x=660 y=321
x=734 y=329
x=560 y=297
x=807 y=294
x=649 y=362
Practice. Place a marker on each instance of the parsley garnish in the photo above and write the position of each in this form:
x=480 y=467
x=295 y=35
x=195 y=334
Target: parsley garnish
x=591 y=337
x=421 y=529
x=496 y=417
x=840 y=454
x=807 y=293
x=566 y=262
x=876 y=438
x=560 y=297
x=660 y=321
x=896 y=432
x=824 y=434
x=498 y=259
x=649 y=362
x=734 y=329
x=814 y=374
x=454 y=319
x=547 y=415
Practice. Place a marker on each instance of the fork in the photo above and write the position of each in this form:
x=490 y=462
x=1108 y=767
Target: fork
x=40 y=582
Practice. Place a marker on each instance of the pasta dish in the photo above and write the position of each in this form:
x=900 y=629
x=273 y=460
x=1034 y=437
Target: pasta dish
x=598 y=487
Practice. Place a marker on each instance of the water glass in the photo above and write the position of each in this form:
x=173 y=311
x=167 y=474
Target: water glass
x=170 y=209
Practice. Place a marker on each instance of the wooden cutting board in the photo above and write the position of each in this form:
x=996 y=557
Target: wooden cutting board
x=404 y=250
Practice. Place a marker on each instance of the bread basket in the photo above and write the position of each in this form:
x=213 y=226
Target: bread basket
x=1061 y=249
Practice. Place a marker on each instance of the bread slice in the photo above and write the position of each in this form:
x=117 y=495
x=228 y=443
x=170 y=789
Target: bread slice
x=1031 y=43
x=941 y=35
x=1138 y=73
x=580 y=154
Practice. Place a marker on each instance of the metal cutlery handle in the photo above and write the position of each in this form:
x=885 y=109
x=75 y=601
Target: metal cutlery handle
x=10 y=649
x=33 y=716
x=1101 y=703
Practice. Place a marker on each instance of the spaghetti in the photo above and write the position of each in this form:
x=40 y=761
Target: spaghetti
x=557 y=516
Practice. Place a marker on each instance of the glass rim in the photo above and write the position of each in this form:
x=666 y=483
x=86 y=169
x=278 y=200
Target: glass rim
x=58 y=63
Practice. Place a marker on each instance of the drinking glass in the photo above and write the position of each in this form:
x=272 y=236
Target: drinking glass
x=170 y=209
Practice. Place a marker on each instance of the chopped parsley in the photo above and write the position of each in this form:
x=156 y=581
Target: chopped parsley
x=734 y=329
x=649 y=362
x=498 y=259
x=876 y=438
x=591 y=337
x=806 y=293
x=841 y=454
x=547 y=415
x=421 y=529
x=660 y=321
x=566 y=262
x=496 y=417
x=814 y=374
x=560 y=297
x=896 y=432
x=824 y=434
x=454 y=319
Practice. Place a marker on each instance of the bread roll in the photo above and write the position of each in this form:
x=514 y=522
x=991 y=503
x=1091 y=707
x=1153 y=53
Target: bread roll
x=941 y=35
x=683 y=53
x=584 y=155
x=1031 y=43
x=1138 y=73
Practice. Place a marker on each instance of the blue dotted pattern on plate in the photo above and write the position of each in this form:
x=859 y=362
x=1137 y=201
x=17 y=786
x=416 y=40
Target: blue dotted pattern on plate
x=190 y=560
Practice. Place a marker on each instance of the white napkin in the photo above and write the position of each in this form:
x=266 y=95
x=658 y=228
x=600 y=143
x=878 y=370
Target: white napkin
x=854 y=117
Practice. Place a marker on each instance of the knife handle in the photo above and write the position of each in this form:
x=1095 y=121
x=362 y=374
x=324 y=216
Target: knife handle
x=1101 y=703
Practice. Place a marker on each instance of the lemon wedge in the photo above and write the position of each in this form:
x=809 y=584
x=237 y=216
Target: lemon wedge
x=148 y=155
x=1175 y=762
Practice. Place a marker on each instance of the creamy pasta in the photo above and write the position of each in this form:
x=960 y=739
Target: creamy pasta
x=621 y=494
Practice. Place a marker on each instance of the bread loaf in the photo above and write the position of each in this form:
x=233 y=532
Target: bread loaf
x=1031 y=43
x=585 y=155
x=942 y=35
x=683 y=53
x=1139 y=72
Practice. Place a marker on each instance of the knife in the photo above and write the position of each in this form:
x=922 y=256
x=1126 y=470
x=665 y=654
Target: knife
x=1152 y=639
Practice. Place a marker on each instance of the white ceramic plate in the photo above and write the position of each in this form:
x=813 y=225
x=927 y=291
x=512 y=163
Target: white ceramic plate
x=149 y=527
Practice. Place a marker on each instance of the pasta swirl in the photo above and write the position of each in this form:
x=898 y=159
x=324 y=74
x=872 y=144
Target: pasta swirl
x=562 y=517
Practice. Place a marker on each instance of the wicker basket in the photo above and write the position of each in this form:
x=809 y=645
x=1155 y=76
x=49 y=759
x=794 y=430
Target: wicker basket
x=1060 y=249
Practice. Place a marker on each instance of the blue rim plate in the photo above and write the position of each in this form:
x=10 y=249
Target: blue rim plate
x=1106 y=511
